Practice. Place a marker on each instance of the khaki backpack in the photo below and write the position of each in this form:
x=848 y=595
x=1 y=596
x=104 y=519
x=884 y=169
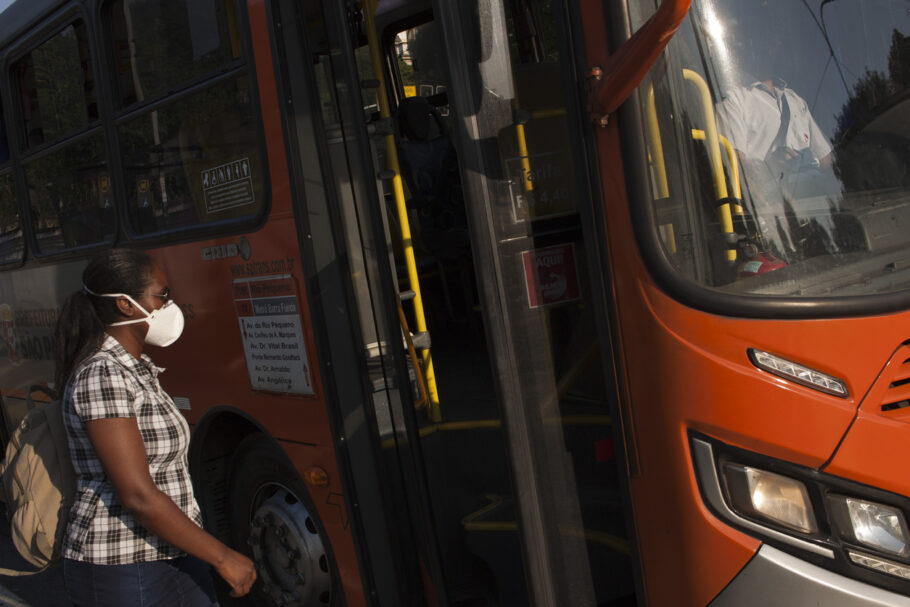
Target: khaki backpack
x=38 y=484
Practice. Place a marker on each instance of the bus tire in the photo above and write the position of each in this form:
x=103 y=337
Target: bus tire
x=274 y=522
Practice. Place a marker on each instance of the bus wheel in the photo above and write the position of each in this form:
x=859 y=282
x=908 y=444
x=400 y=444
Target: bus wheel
x=272 y=515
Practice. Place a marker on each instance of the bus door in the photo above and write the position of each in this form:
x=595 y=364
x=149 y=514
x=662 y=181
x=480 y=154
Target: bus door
x=524 y=461
x=476 y=307
x=537 y=249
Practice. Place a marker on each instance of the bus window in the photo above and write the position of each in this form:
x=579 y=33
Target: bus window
x=783 y=177
x=158 y=45
x=11 y=244
x=69 y=186
x=193 y=161
x=70 y=198
x=57 y=87
x=4 y=145
x=421 y=63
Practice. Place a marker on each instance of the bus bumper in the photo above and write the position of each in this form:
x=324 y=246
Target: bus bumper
x=774 y=577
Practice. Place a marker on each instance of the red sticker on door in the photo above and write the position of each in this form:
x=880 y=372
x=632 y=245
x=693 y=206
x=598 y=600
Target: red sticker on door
x=551 y=275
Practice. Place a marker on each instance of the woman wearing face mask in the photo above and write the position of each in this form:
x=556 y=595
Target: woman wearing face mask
x=134 y=535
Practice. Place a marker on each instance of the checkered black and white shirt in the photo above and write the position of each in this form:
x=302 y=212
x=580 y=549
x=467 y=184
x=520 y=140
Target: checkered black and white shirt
x=112 y=383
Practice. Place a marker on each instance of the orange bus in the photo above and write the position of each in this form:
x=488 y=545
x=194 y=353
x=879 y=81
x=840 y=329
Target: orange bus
x=496 y=302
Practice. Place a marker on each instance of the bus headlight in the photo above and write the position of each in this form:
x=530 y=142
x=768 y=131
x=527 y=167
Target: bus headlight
x=767 y=496
x=870 y=524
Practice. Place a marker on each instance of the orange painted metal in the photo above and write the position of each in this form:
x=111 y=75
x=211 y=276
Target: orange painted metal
x=684 y=369
x=624 y=70
x=335 y=519
x=875 y=450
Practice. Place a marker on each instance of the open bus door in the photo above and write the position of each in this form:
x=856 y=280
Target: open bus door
x=489 y=468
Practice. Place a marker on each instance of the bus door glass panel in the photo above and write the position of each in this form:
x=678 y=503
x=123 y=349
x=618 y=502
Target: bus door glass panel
x=464 y=453
x=193 y=161
x=342 y=110
x=12 y=244
x=561 y=461
x=353 y=231
x=158 y=45
x=805 y=198
x=68 y=184
x=523 y=186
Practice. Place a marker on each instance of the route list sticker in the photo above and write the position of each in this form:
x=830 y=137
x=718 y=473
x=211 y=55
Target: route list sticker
x=272 y=332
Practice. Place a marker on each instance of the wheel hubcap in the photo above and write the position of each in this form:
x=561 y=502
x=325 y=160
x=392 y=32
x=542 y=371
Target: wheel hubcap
x=289 y=553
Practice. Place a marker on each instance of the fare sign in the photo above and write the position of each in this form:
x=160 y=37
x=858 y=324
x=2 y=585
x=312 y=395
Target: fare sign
x=268 y=312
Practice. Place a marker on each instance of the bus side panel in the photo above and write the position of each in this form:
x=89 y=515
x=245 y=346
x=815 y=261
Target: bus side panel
x=330 y=503
x=685 y=553
x=218 y=373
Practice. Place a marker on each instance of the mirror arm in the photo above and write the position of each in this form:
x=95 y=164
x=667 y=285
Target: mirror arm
x=628 y=66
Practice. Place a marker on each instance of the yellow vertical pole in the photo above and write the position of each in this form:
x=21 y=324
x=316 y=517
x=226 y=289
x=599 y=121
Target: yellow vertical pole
x=526 y=180
x=713 y=143
x=392 y=164
x=658 y=164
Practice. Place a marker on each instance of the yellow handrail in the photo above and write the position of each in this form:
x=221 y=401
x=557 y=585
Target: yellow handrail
x=398 y=190
x=658 y=163
x=732 y=159
x=656 y=147
x=526 y=181
x=714 y=157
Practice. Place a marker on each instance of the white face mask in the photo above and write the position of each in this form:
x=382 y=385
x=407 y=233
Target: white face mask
x=165 y=323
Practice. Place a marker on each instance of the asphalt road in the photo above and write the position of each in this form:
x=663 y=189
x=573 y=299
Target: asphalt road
x=42 y=590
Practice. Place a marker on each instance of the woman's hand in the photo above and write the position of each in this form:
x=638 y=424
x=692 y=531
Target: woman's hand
x=238 y=571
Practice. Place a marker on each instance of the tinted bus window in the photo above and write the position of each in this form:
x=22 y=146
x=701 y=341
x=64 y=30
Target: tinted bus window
x=11 y=242
x=57 y=87
x=70 y=198
x=10 y=229
x=193 y=161
x=160 y=44
x=4 y=146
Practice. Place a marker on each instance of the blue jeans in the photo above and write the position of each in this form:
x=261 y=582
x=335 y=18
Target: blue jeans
x=180 y=582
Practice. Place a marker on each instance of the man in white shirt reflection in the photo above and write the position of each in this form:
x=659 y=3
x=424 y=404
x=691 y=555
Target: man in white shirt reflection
x=787 y=166
x=752 y=117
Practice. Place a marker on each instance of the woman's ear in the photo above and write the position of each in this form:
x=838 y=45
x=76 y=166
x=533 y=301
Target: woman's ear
x=125 y=307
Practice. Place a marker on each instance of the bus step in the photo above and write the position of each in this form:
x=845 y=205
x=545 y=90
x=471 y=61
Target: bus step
x=386 y=174
x=421 y=340
x=407 y=295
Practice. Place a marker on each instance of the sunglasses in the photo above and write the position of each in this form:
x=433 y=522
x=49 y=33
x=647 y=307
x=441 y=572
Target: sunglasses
x=166 y=295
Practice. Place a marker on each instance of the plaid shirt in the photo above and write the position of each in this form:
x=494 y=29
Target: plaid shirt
x=112 y=383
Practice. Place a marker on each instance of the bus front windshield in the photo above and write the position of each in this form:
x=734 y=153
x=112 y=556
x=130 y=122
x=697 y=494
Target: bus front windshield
x=778 y=142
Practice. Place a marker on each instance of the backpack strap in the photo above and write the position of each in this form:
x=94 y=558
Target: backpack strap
x=30 y=402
